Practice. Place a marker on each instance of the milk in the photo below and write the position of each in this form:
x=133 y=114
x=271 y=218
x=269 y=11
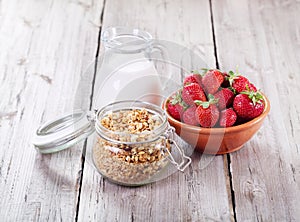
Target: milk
x=134 y=80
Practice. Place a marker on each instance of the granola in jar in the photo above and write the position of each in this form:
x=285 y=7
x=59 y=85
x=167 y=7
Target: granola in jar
x=132 y=150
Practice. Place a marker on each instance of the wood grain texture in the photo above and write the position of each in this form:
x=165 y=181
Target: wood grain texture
x=264 y=43
x=195 y=195
x=45 y=45
x=47 y=50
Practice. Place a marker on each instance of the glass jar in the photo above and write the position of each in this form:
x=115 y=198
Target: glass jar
x=134 y=143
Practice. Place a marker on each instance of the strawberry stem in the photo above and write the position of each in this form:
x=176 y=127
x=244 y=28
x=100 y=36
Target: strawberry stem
x=232 y=76
x=195 y=72
x=205 y=70
x=177 y=99
x=256 y=97
x=206 y=104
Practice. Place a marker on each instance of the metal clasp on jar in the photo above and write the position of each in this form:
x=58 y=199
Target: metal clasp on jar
x=182 y=161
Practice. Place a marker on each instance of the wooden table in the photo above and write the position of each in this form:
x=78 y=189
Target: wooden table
x=45 y=46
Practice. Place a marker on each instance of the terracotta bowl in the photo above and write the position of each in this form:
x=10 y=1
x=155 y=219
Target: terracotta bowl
x=218 y=140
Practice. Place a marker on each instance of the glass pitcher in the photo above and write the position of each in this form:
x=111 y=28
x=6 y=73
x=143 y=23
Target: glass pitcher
x=127 y=69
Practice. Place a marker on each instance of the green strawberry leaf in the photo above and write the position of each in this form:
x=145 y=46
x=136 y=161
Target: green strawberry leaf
x=212 y=99
x=232 y=76
x=247 y=87
x=205 y=105
x=204 y=71
x=253 y=100
x=198 y=102
x=231 y=73
x=176 y=98
x=232 y=89
x=256 y=97
x=237 y=70
x=184 y=105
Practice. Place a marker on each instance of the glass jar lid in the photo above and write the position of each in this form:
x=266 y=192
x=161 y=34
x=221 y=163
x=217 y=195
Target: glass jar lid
x=63 y=132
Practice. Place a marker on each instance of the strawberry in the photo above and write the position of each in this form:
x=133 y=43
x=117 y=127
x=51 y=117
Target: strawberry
x=212 y=80
x=240 y=120
x=193 y=78
x=248 y=104
x=238 y=82
x=252 y=87
x=225 y=98
x=188 y=116
x=227 y=117
x=192 y=92
x=225 y=83
x=176 y=106
x=175 y=110
x=207 y=113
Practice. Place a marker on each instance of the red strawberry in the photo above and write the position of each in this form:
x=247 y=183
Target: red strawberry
x=238 y=82
x=176 y=106
x=175 y=110
x=207 y=113
x=252 y=87
x=225 y=98
x=192 y=92
x=248 y=105
x=188 y=116
x=212 y=80
x=240 y=120
x=193 y=78
x=227 y=117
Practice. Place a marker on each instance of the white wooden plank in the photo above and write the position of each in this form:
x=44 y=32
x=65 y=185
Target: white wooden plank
x=262 y=38
x=45 y=45
x=201 y=193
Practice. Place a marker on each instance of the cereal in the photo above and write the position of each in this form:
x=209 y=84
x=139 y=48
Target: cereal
x=126 y=161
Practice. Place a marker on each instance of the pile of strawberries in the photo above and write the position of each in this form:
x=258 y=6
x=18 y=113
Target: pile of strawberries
x=216 y=99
